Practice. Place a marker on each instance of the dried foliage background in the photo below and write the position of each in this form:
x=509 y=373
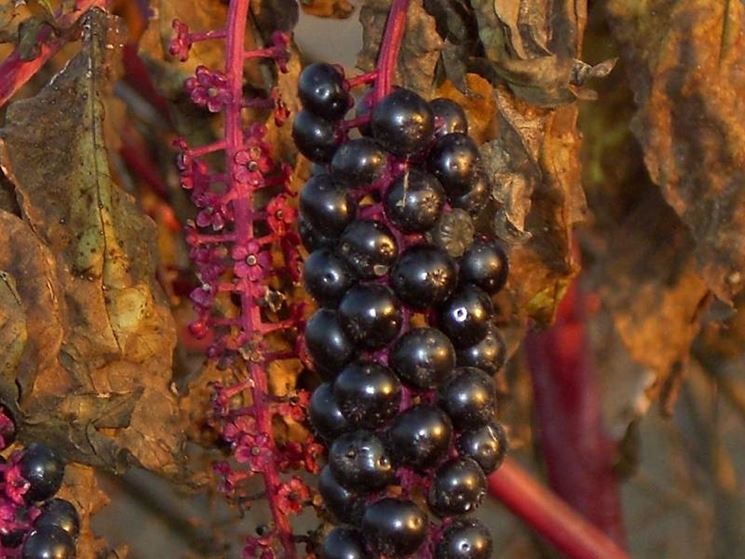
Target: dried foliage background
x=639 y=166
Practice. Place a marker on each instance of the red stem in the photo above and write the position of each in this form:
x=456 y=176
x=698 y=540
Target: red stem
x=394 y=33
x=15 y=72
x=578 y=453
x=549 y=516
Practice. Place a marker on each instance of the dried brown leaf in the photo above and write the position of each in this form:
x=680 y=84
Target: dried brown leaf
x=337 y=9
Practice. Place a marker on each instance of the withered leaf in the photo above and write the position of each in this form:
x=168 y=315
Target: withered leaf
x=338 y=9
x=95 y=371
x=690 y=87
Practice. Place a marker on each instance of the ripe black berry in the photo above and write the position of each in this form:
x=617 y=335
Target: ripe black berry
x=484 y=264
x=325 y=415
x=370 y=315
x=424 y=276
x=327 y=344
x=59 y=513
x=488 y=355
x=423 y=357
x=314 y=137
x=358 y=162
x=345 y=505
x=486 y=445
x=369 y=248
x=419 y=437
x=344 y=543
x=44 y=471
x=465 y=316
x=326 y=206
x=369 y=394
x=327 y=277
x=450 y=117
x=466 y=538
x=49 y=542
x=313 y=239
x=321 y=90
x=414 y=201
x=469 y=398
x=360 y=462
x=458 y=488
x=454 y=160
x=394 y=527
x=475 y=200
x=402 y=122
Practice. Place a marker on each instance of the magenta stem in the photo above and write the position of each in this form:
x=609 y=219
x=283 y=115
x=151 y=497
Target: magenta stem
x=394 y=32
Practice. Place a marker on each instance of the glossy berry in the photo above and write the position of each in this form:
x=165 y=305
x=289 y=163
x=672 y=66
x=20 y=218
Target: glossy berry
x=369 y=248
x=450 y=117
x=313 y=239
x=476 y=198
x=44 y=471
x=455 y=161
x=458 y=487
x=327 y=344
x=358 y=162
x=11 y=539
x=469 y=398
x=369 y=394
x=326 y=206
x=370 y=315
x=423 y=358
x=465 y=316
x=424 y=276
x=59 y=513
x=362 y=107
x=484 y=264
x=325 y=415
x=327 y=277
x=360 y=462
x=344 y=543
x=394 y=527
x=49 y=542
x=466 y=538
x=402 y=122
x=343 y=504
x=488 y=355
x=322 y=91
x=314 y=137
x=453 y=232
x=419 y=437
x=486 y=445
x=414 y=201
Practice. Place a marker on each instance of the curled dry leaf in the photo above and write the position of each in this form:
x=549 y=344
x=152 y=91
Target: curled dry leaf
x=94 y=371
x=689 y=83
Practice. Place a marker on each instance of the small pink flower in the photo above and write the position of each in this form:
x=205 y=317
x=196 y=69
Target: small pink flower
x=313 y=452
x=208 y=89
x=280 y=215
x=15 y=485
x=250 y=260
x=253 y=450
x=292 y=496
x=281 y=43
x=203 y=296
x=252 y=162
x=181 y=42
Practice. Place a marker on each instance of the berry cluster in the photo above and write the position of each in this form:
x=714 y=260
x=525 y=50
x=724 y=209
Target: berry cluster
x=403 y=338
x=33 y=523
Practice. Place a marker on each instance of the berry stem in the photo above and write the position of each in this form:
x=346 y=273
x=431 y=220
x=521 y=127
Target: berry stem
x=578 y=453
x=394 y=33
x=549 y=515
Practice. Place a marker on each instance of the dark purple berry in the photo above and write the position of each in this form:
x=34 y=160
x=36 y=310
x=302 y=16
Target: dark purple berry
x=423 y=358
x=488 y=355
x=455 y=161
x=59 y=513
x=424 y=276
x=49 y=542
x=394 y=527
x=325 y=415
x=414 y=201
x=450 y=118
x=369 y=248
x=469 y=398
x=326 y=206
x=465 y=316
x=477 y=197
x=370 y=315
x=327 y=344
x=344 y=543
x=360 y=462
x=313 y=239
x=327 y=277
x=419 y=437
x=314 y=137
x=466 y=538
x=485 y=265
x=358 y=162
x=43 y=469
x=486 y=445
x=402 y=122
x=458 y=487
x=369 y=394
x=322 y=91
x=343 y=504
